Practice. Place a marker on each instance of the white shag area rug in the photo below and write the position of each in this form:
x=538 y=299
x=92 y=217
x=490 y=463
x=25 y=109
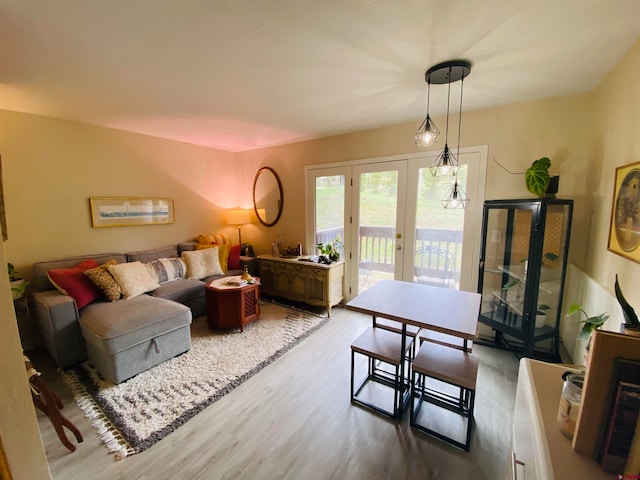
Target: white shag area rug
x=132 y=416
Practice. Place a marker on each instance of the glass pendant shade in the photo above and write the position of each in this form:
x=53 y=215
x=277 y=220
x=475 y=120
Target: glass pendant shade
x=427 y=133
x=445 y=164
x=455 y=197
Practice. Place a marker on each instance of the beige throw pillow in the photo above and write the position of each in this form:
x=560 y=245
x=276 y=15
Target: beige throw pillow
x=203 y=263
x=134 y=278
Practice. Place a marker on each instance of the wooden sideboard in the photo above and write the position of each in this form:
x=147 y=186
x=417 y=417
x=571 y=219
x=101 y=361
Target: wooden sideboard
x=308 y=282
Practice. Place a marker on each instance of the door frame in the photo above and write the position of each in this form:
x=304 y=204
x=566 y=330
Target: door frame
x=474 y=208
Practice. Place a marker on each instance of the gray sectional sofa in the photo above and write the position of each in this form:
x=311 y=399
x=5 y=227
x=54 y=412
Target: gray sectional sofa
x=125 y=337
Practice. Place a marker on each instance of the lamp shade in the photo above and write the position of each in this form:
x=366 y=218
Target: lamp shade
x=238 y=217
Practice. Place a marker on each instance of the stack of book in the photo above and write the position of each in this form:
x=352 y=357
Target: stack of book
x=608 y=426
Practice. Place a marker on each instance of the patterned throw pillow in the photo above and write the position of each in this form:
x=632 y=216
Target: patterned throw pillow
x=134 y=278
x=203 y=263
x=71 y=281
x=105 y=281
x=167 y=269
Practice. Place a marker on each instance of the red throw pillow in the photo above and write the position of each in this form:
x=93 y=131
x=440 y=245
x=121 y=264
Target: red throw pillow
x=234 y=258
x=72 y=282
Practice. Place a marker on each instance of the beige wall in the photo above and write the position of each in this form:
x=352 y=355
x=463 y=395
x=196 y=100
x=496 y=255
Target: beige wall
x=559 y=128
x=617 y=143
x=51 y=168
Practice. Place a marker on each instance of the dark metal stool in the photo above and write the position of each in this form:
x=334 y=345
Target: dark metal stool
x=396 y=327
x=445 y=339
x=382 y=346
x=448 y=365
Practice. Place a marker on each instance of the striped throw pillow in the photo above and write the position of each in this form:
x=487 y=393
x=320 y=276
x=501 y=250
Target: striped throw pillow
x=167 y=269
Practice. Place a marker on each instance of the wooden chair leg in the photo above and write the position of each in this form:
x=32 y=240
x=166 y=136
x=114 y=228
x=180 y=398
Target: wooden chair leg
x=49 y=403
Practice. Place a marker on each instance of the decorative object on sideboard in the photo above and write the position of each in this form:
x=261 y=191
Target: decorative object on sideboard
x=239 y=217
x=18 y=283
x=268 y=197
x=331 y=249
x=624 y=228
x=130 y=211
x=246 y=250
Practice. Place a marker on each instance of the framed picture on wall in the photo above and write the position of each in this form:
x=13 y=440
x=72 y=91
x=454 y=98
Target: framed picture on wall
x=130 y=211
x=624 y=229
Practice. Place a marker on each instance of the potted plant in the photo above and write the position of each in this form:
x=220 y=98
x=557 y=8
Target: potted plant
x=631 y=322
x=589 y=325
x=331 y=249
x=538 y=180
x=18 y=283
x=541 y=315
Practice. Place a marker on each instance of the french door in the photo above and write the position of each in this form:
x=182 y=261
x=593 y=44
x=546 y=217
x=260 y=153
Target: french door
x=389 y=215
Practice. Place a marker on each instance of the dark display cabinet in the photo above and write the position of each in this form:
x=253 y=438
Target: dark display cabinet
x=523 y=262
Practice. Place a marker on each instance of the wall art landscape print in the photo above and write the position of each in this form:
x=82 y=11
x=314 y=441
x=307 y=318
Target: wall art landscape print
x=624 y=231
x=130 y=211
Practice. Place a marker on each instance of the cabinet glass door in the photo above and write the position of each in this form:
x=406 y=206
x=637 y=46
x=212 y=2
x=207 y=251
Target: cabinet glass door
x=522 y=268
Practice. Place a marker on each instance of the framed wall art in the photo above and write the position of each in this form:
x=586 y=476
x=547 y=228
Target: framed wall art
x=624 y=229
x=130 y=211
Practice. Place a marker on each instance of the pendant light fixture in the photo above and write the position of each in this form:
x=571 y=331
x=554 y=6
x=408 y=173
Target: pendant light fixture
x=427 y=133
x=456 y=196
x=447 y=72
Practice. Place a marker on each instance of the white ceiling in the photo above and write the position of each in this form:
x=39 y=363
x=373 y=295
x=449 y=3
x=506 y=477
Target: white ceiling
x=244 y=74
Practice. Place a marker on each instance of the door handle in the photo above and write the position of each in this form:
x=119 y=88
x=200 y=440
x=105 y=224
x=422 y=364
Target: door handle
x=398 y=247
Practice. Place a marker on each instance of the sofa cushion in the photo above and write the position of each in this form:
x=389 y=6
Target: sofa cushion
x=203 y=263
x=216 y=239
x=103 y=279
x=41 y=281
x=183 y=290
x=167 y=269
x=233 y=262
x=73 y=282
x=145 y=256
x=134 y=278
x=114 y=327
x=223 y=254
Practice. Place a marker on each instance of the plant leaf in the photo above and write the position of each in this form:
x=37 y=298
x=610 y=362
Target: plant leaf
x=537 y=178
x=510 y=284
x=629 y=313
x=585 y=332
x=573 y=309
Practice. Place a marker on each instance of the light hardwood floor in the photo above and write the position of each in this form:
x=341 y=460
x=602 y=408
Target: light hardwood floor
x=294 y=420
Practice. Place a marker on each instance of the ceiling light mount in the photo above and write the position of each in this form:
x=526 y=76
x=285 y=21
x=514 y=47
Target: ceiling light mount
x=448 y=72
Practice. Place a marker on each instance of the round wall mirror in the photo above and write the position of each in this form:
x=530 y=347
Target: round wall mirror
x=267 y=196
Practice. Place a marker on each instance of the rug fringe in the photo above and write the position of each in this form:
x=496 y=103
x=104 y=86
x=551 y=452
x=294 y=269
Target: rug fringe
x=108 y=434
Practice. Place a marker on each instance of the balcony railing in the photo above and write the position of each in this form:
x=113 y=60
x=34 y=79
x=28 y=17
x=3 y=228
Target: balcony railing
x=436 y=258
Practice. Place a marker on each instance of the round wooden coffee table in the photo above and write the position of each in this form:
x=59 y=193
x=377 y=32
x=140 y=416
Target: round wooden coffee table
x=230 y=306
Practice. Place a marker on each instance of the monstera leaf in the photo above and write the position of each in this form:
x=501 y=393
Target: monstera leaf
x=537 y=176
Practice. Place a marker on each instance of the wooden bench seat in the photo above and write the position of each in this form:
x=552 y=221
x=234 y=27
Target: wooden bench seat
x=452 y=366
x=380 y=345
